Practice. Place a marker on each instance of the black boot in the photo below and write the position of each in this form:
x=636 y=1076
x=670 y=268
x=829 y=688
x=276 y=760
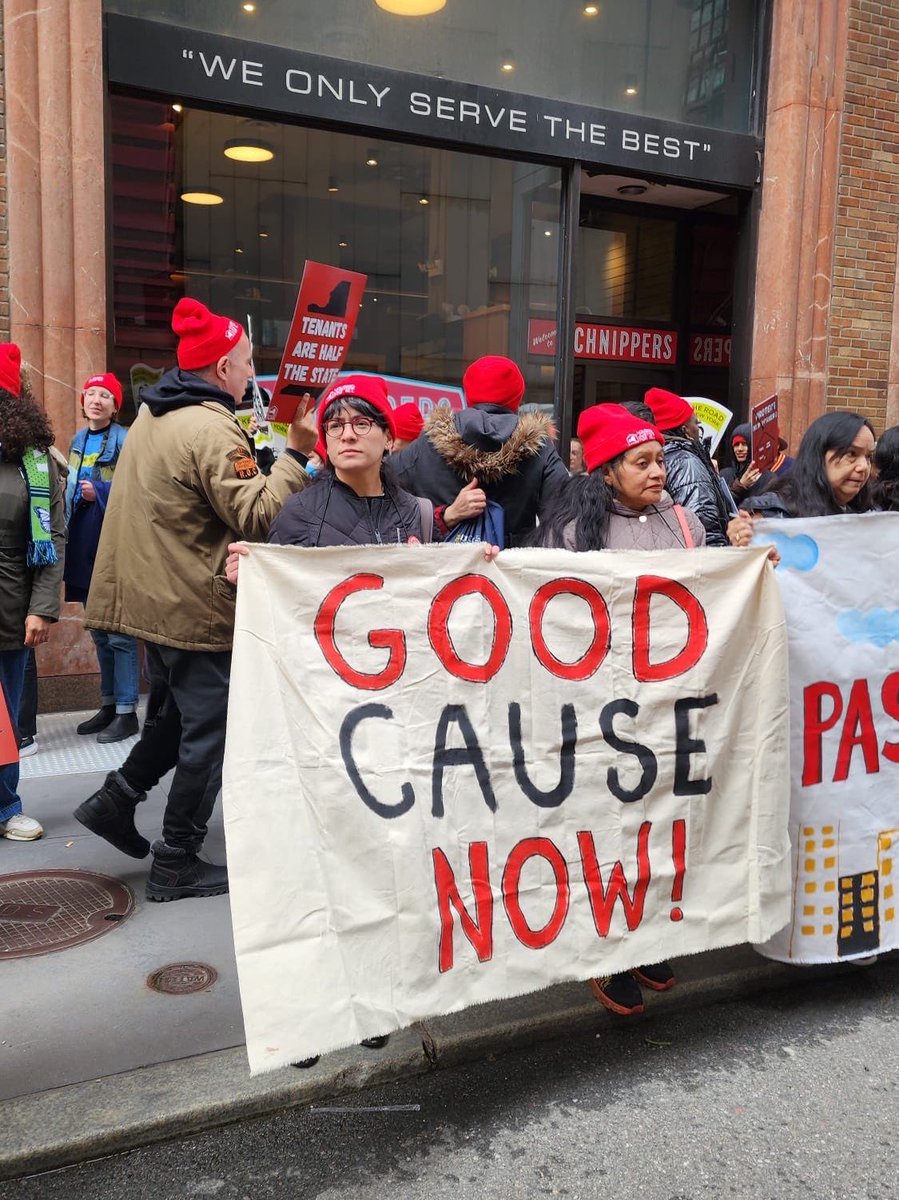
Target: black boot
x=177 y=874
x=98 y=721
x=123 y=725
x=109 y=813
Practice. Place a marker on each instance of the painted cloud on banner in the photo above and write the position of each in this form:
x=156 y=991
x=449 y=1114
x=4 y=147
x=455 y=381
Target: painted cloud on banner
x=879 y=627
x=797 y=553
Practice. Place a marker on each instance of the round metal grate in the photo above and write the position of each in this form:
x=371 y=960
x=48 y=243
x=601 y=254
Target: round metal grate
x=45 y=911
x=180 y=979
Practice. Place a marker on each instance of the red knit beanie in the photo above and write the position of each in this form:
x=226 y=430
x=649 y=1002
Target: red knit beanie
x=203 y=337
x=494 y=380
x=107 y=381
x=10 y=368
x=670 y=410
x=409 y=421
x=363 y=387
x=607 y=430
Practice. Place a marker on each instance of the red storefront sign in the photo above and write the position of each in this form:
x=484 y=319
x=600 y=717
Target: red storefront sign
x=320 y=334
x=709 y=349
x=609 y=343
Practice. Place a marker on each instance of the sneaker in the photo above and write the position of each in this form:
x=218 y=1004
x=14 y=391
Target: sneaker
x=123 y=725
x=21 y=828
x=619 y=994
x=178 y=874
x=27 y=747
x=659 y=977
x=98 y=721
x=109 y=813
x=376 y=1043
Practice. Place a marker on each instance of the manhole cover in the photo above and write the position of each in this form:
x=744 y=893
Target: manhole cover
x=179 y=979
x=45 y=911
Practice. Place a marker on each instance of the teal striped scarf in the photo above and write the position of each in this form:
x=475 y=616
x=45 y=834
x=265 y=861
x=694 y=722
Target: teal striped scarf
x=36 y=470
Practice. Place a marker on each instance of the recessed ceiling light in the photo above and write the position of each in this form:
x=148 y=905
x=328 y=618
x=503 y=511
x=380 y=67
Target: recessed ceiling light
x=507 y=66
x=238 y=249
x=263 y=233
x=547 y=233
x=343 y=245
x=423 y=200
x=332 y=184
x=248 y=7
x=633 y=189
x=177 y=108
x=371 y=161
x=201 y=196
x=249 y=150
x=590 y=10
x=411 y=8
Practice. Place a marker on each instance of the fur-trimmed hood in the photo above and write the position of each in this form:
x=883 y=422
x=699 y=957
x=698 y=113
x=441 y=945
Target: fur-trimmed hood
x=486 y=442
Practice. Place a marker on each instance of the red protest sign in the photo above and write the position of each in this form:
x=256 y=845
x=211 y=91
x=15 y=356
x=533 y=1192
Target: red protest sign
x=320 y=334
x=764 y=433
x=9 y=742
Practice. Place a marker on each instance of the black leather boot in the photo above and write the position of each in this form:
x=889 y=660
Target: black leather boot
x=178 y=874
x=123 y=725
x=98 y=721
x=109 y=813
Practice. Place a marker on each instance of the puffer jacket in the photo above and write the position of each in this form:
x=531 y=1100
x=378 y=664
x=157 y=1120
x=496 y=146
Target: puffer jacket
x=656 y=528
x=331 y=514
x=27 y=591
x=511 y=456
x=186 y=485
x=693 y=483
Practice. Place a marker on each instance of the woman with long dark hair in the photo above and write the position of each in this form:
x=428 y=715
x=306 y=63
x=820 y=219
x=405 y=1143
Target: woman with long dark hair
x=831 y=475
x=621 y=504
x=32 y=545
x=885 y=491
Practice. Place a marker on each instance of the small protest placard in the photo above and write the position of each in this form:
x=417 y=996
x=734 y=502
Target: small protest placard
x=320 y=334
x=765 y=433
x=9 y=743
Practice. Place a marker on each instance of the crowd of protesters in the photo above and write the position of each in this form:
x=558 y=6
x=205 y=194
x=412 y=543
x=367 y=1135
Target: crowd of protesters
x=160 y=570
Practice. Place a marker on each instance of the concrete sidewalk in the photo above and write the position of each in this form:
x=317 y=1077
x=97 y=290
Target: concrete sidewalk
x=92 y=1060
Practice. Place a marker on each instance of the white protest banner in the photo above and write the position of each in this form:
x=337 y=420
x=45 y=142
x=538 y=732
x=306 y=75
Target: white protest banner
x=453 y=781
x=839 y=577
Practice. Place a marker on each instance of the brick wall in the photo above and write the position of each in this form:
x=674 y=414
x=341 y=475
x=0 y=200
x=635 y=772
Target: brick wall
x=867 y=217
x=4 y=227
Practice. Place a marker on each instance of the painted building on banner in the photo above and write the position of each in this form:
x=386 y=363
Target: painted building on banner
x=693 y=194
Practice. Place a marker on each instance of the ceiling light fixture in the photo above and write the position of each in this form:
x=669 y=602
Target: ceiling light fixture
x=248 y=7
x=238 y=249
x=507 y=65
x=372 y=160
x=263 y=233
x=423 y=200
x=332 y=184
x=411 y=8
x=202 y=196
x=591 y=10
x=547 y=233
x=633 y=189
x=630 y=87
x=249 y=150
x=343 y=245
x=177 y=108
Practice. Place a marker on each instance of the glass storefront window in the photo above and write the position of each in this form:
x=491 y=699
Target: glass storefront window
x=687 y=60
x=459 y=249
x=625 y=266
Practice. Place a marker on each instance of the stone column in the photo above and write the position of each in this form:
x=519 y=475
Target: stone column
x=796 y=232
x=57 y=247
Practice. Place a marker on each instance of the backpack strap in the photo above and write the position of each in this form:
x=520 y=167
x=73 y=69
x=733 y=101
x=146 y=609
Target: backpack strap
x=689 y=542
x=427 y=518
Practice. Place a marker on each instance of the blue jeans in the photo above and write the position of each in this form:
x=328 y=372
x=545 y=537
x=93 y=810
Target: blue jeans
x=119 y=672
x=12 y=676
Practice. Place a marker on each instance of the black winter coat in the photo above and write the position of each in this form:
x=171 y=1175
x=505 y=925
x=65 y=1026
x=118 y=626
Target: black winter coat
x=511 y=456
x=693 y=483
x=331 y=514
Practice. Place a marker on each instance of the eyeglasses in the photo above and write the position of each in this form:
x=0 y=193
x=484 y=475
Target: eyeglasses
x=360 y=425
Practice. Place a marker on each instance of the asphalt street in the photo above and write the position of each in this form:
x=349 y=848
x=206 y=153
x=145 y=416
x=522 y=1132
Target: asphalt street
x=788 y=1094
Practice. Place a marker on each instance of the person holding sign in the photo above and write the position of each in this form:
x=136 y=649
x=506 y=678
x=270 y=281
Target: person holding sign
x=621 y=504
x=744 y=478
x=186 y=485
x=32 y=548
x=692 y=479
x=830 y=476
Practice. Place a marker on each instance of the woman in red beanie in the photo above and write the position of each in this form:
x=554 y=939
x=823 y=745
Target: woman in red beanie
x=32 y=548
x=621 y=504
x=92 y=461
